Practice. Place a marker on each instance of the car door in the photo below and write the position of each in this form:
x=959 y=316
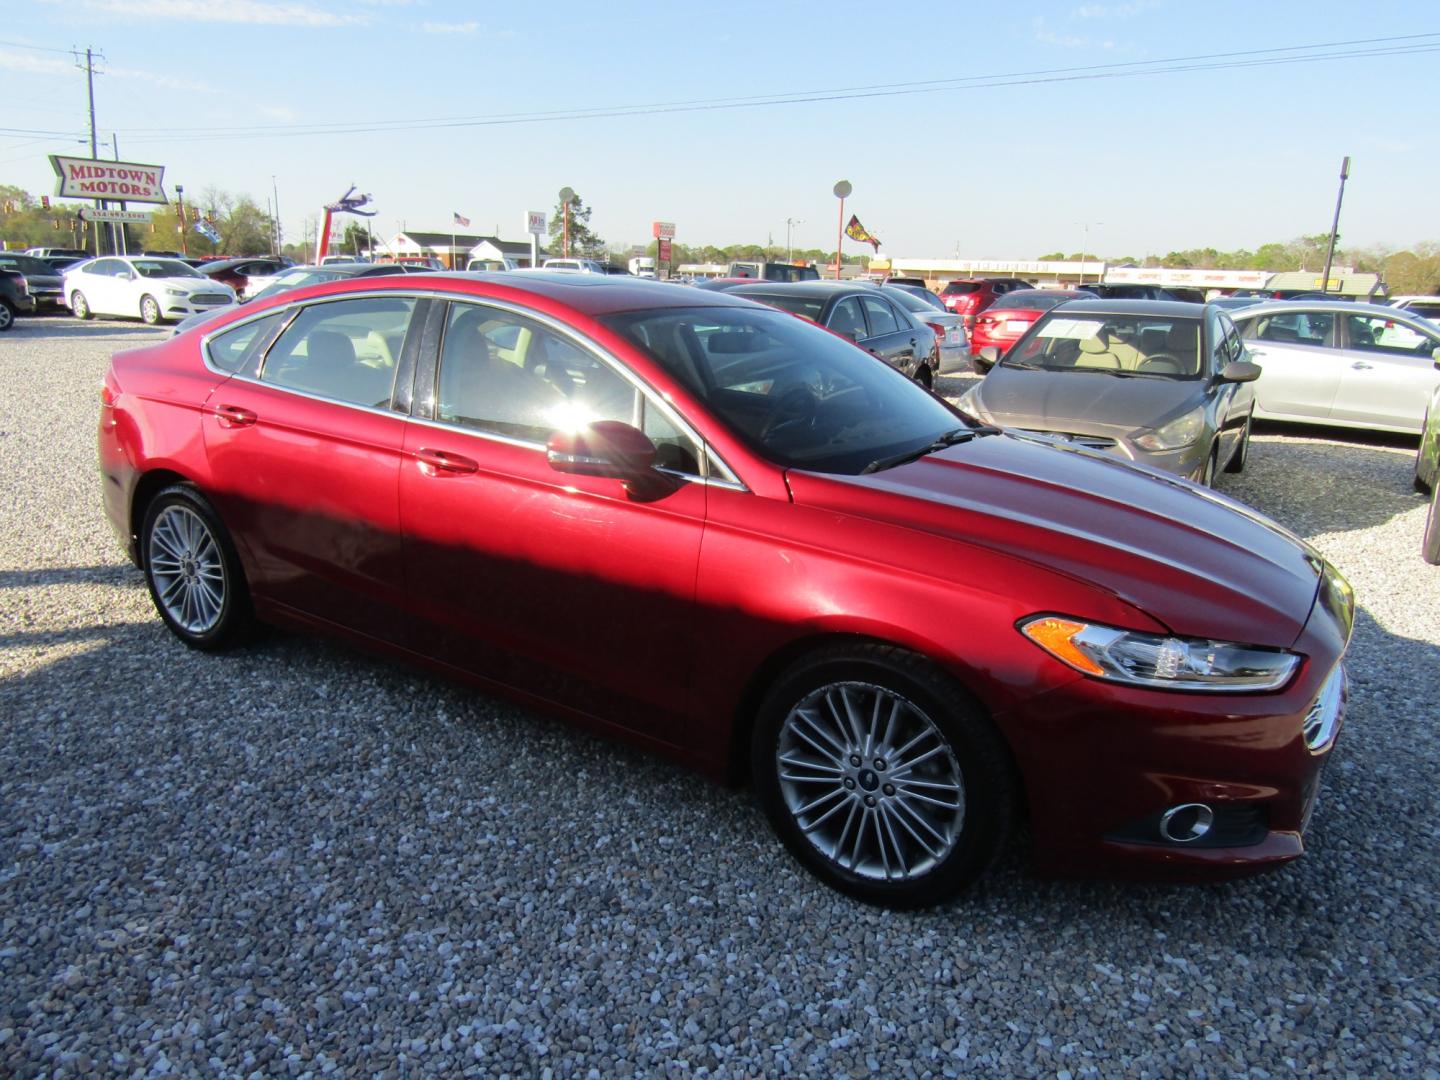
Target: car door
x=1389 y=371
x=1301 y=366
x=1233 y=401
x=304 y=450
x=569 y=588
x=103 y=282
x=893 y=336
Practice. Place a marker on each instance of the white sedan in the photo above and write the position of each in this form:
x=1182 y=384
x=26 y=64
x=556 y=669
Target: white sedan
x=1342 y=364
x=152 y=289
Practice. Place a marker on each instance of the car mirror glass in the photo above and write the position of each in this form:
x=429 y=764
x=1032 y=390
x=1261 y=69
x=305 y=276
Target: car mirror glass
x=1240 y=371
x=987 y=357
x=604 y=448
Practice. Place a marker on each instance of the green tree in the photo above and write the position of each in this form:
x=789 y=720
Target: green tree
x=1054 y=256
x=583 y=241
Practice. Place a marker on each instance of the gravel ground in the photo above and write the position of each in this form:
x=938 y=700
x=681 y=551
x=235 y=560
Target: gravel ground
x=297 y=860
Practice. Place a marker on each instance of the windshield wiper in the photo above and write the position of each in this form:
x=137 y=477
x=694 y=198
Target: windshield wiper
x=950 y=438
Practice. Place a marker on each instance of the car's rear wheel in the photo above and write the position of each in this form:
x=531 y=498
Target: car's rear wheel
x=79 y=305
x=149 y=310
x=925 y=376
x=1430 y=544
x=1242 y=452
x=881 y=775
x=1208 y=476
x=7 y=315
x=193 y=572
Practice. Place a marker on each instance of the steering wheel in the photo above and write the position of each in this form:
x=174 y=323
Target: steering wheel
x=795 y=408
x=1161 y=361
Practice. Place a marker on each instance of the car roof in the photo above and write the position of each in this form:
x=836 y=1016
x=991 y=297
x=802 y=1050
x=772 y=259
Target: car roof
x=588 y=294
x=820 y=290
x=1173 y=309
x=1344 y=307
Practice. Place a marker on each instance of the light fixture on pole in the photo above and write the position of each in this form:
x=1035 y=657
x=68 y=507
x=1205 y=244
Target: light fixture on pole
x=180 y=207
x=788 y=223
x=842 y=189
x=566 y=194
x=1085 y=246
x=1335 y=225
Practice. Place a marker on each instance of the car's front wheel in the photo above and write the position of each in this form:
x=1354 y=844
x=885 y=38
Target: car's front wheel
x=149 y=310
x=1430 y=544
x=193 y=572
x=7 y=315
x=881 y=775
x=1242 y=452
x=79 y=305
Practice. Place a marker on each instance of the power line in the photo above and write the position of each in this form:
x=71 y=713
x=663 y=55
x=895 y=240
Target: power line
x=1393 y=46
x=36 y=48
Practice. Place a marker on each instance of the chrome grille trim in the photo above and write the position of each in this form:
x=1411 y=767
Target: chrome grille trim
x=1328 y=709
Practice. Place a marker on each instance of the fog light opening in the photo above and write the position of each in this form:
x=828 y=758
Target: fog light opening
x=1186 y=823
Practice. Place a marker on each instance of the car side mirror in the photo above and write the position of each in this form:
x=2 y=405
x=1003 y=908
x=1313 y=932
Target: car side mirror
x=604 y=448
x=986 y=358
x=1435 y=355
x=1240 y=371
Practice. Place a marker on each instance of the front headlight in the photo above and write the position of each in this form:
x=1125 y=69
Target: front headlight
x=1169 y=663
x=1182 y=431
x=171 y=291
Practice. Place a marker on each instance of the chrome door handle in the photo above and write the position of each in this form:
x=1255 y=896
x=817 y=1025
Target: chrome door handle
x=1360 y=365
x=445 y=461
x=232 y=416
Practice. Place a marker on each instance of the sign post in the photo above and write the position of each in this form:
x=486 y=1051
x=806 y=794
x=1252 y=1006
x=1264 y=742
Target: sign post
x=842 y=189
x=566 y=194
x=664 y=233
x=535 y=226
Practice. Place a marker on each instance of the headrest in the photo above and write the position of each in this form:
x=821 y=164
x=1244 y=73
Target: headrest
x=1099 y=343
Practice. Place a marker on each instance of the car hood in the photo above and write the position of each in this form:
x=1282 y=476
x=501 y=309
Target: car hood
x=1084 y=401
x=191 y=284
x=1201 y=564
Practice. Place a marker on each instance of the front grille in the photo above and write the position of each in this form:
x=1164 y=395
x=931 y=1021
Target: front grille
x=1326 y=713
x=1093 y=442
x=209 y=298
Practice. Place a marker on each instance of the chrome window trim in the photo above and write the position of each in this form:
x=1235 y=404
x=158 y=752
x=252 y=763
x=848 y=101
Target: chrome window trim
x=729 y=480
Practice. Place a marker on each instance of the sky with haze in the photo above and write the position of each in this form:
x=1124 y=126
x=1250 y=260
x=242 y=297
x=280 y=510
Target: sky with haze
x=991 y=131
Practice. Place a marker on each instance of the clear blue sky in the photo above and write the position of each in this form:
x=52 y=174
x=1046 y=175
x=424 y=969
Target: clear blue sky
x=1008 y=159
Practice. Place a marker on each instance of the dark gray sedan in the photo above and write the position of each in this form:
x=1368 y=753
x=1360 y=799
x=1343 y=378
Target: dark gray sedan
x=1157 y=382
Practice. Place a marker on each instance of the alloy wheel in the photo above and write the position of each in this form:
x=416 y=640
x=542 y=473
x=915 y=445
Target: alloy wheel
x=186 y=565
x=871 y=781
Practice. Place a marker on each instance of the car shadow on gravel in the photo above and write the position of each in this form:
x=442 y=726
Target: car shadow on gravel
x=112 y=574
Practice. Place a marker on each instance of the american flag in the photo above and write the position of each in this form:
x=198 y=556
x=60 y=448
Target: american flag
x=462 y=221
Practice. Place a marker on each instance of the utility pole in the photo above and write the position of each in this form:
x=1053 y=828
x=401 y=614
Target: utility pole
x=94 y=145
x=279 y=237
x=1335 y=225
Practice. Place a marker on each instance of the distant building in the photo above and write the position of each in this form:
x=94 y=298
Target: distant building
x=456 y=249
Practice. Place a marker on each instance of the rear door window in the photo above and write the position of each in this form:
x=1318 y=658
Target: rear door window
x=346 y=350
x=881 y=316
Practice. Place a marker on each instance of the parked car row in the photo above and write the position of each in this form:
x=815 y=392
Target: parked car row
x=727 y=534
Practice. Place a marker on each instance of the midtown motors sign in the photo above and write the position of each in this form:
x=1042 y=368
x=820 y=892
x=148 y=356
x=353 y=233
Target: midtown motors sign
x=86 y=178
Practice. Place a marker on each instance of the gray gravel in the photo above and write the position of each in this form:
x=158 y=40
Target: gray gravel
x=296 y=860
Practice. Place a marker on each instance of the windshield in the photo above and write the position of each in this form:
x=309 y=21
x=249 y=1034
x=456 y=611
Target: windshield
x=809 y=306
x=912 y=303
x=164 y=268
x=798 y=395
x=293 y=279
x=1144 y=345
x=1031 y=300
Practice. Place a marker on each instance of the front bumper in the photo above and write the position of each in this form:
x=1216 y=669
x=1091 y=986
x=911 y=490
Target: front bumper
x=178 y=307
x=1187 y=461
x=1103 y=764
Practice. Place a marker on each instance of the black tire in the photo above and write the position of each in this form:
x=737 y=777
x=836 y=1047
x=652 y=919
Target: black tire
x=1430 y=543
x=963 y=761
x=925 y=377
x=1207 y=478
x=7 y=315
x=79 y=305
x=1242 y=452
x=193 y=572
x=150 y=313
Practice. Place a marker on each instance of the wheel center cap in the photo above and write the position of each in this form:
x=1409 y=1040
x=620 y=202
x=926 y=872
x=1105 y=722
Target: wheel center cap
x=868 y=780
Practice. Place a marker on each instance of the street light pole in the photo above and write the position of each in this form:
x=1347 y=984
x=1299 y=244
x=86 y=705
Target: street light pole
x=1085 y=245
x=1335 y=225
x=789 y=256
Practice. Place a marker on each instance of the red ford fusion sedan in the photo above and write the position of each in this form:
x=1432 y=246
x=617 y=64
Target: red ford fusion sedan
x=720 y=532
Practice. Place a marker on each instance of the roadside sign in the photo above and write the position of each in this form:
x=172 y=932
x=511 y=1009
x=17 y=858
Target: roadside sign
x=123 y=217
x=664 y=229
x=535 y=222
x=86 y=178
